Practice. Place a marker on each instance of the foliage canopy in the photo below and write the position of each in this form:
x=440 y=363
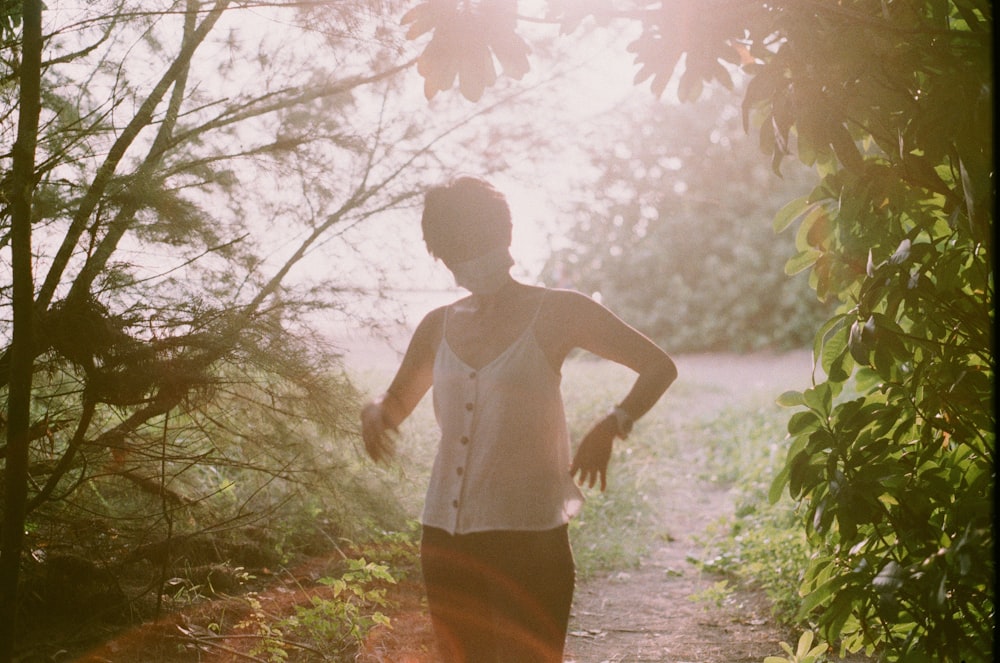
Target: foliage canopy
x=680 y=202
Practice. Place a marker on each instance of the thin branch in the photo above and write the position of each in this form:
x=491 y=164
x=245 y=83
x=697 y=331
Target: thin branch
x=106 y=171
x=212 y=249
x=250 y=636
x=124 y=218
x=234 y=652
x=295 y=96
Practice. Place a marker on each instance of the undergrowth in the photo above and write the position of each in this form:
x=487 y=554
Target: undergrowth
x=339 y=622
x=343 y=607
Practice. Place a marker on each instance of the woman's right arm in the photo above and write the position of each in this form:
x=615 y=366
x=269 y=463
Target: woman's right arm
x=413 y=379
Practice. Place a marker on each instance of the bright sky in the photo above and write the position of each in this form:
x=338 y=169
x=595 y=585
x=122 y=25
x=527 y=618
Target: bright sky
x=589 y=77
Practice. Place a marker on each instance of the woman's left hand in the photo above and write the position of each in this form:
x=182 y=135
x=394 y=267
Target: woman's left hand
x=591 y=460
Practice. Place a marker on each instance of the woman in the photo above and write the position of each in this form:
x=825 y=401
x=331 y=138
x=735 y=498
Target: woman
x=495 y=554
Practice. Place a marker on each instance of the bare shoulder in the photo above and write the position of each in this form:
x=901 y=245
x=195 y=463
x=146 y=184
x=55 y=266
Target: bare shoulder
x=571 y=305
x=569 y=320
x=430 y=328
x=574 y=320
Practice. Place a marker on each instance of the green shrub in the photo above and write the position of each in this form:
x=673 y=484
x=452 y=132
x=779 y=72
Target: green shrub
x=340 y=623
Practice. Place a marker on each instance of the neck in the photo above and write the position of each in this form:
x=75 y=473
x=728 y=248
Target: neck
x=491 y=301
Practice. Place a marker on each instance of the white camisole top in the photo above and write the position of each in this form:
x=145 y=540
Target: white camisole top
x=504 y=455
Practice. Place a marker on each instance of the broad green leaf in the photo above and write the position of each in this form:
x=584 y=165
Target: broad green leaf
x=841 y=366
x=819 y=399
x=822 y=518
x=865 y=380
x=812 y=228
x=790 y=399
x=805 y=642
x=778 y=485
x=857 y=344
x=791 y=213
x=820 y=440
x=802 y=261
x=818 y=572
x=818 y=596
x=833 y=347
x=830 y=329
x=837 y=614
x=889 y=579
x=802 y=422
x=797 y=446
x=797 y=467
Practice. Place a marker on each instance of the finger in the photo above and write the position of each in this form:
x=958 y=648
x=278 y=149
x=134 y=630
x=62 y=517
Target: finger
x=604 y=481
x=388 y=449
x=369 y=443
x=376 y=447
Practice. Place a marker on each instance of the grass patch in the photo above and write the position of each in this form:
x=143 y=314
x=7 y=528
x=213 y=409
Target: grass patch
x=761 y=544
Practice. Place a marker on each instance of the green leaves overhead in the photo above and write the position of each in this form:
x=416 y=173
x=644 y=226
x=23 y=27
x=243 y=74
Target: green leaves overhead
x=708 y=36
x=665 y=37
x=468 y=34
x=466 y=37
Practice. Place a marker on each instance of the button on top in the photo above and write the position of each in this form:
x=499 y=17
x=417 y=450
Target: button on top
x=464 y=440
x=472 y=375
x=468 y=406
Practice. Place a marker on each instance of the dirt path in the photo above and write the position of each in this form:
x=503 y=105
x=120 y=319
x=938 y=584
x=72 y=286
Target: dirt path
x=648 y=614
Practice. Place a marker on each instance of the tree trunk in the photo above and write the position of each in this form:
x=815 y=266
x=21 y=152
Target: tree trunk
x=22 y=357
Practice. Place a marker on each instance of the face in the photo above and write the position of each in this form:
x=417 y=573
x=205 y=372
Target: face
x=484 y=274
x=465 y=246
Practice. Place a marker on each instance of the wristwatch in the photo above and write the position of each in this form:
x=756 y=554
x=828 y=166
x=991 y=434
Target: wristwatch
x=623 y=420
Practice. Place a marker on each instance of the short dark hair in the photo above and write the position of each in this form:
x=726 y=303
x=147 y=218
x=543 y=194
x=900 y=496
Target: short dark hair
x=465 y=213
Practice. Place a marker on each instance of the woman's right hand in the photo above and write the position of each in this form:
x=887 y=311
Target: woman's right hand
x=375 y=432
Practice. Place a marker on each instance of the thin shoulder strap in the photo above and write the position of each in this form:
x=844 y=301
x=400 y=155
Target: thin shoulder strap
x=538 y=309
x=444 y=323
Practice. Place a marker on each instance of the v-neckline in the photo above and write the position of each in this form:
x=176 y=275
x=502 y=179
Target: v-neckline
x=510 y=346
x=528 y=329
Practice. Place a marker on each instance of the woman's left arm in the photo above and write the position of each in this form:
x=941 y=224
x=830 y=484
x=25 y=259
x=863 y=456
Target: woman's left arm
x=592 y=327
